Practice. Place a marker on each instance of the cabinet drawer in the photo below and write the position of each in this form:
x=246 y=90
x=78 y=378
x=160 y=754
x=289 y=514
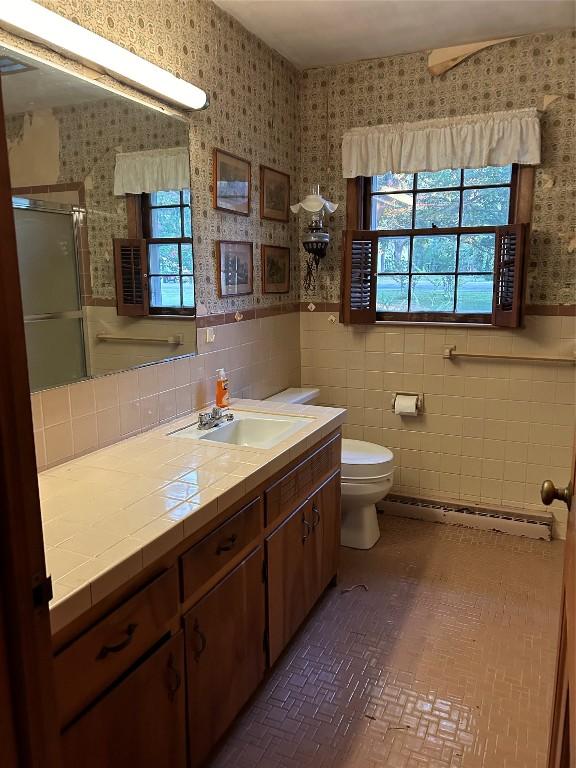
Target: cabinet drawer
x=209 y=556
x=93 y=661
x=292 y=489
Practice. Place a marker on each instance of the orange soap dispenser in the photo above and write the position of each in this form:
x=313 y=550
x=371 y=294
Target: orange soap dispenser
x=222 y=394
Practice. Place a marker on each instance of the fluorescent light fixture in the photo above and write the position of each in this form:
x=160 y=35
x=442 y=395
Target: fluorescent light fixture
x=34 y=22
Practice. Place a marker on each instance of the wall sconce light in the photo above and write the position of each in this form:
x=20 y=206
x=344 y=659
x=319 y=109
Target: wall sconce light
x=316 y=237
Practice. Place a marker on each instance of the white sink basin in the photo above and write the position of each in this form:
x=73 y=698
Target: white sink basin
x=253 y=430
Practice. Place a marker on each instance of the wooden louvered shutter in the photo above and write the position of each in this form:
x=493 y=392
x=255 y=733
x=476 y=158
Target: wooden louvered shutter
x=131 y=265
x=509 y=259
x=360 y=251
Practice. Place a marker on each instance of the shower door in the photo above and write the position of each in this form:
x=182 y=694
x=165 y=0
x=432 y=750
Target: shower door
x=53 y=317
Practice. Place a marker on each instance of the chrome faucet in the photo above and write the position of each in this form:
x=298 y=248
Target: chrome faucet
x=213 y=418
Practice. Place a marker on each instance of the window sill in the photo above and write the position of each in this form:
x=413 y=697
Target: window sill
x=436 y=324
x=161 y=316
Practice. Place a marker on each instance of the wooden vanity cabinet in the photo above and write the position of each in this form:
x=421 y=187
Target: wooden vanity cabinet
x=159 y=678
x=225 y=656
x=141 y=722
x=302 y=558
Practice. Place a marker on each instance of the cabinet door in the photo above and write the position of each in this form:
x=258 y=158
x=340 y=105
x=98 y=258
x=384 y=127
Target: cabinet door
x=327 y=530
x=323 y=544
x=225 y=656
x=292 y=584
x=141 y=722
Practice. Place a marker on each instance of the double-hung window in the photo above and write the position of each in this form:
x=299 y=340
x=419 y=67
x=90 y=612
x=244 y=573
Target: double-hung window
x=443 y=246
x=167 y=228
x=155 y=265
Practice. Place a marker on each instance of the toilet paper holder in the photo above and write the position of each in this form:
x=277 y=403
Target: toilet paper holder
x=419 y=399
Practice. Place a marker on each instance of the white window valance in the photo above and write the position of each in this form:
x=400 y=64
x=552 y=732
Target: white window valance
x=472 y=141
x=151 y=171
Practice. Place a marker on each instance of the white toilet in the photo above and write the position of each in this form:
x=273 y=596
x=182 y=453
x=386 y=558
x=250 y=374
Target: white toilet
x=367 y=475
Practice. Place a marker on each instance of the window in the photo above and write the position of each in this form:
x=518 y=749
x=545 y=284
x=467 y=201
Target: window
x=421 y=270
x=435 y=238
x=155 y=264
x=167 y=228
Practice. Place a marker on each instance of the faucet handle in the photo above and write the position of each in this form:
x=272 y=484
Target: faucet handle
x=203 y=419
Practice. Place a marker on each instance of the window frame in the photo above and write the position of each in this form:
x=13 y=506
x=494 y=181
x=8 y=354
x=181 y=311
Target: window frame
x=146 y=225
x=484 y=318
x=447 y=317
x=358 y=216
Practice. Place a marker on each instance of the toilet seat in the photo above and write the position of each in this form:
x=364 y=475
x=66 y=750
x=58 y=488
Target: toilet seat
x=365 y=462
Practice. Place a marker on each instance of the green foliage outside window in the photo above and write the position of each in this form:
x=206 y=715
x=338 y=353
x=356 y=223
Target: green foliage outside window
x=438 y=272
x=171 y=264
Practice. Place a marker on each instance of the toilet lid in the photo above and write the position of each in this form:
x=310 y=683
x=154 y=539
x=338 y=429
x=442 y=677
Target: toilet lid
x=360 y=459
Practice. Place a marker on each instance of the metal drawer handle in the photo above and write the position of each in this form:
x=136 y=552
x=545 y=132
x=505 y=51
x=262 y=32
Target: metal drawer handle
x=316 y=513
x=198 y=632
x=307 y=529
x=227 y=544
x=117 y=647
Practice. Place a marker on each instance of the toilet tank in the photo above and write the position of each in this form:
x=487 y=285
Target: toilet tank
x=300 y=395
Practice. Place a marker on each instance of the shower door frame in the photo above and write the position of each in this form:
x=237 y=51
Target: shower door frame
x=77 y=213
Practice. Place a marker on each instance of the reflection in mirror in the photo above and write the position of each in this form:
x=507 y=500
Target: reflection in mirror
x=101 y=198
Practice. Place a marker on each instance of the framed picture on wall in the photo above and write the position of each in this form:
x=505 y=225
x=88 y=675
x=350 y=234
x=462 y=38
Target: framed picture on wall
x=275 y=269
x=274 y=194
x=234 y=266
x=231 y=183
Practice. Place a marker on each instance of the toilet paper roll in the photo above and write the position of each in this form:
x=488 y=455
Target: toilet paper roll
x=406 y=405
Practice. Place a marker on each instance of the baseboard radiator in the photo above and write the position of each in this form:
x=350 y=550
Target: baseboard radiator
x=469 y=515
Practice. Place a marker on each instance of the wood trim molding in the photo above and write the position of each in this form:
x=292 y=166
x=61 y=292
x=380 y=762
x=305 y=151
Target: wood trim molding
x=22 y=564
x=354 y=203
x=551 y=310
x=560 y=310
x=253 y=313
x=73 y=186
x=8 y=736
x=134 y=216
x=523 y=194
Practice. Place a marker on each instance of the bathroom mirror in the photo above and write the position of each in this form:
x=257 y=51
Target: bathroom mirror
x=101 y=199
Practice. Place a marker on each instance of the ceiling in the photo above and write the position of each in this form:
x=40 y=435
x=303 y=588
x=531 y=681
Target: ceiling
x=315 y=33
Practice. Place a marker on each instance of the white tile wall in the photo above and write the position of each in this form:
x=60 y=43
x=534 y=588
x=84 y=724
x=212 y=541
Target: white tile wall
x=107 y=356
x=261 y=357
x=492 y=431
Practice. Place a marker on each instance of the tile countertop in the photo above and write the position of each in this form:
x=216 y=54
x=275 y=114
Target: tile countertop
x=111 y=513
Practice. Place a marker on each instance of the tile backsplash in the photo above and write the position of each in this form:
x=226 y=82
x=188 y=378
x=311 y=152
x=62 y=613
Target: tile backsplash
x=261 y=356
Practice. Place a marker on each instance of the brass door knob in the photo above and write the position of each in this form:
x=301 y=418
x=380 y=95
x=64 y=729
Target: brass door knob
x=550 y=493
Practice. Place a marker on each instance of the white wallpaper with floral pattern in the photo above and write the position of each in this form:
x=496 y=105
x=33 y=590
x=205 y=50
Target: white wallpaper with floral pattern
x=511 y=75
x=253 y=113
x=264 y=110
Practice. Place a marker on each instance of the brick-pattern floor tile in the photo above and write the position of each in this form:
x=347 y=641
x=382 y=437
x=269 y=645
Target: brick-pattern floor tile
x=447 y=661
